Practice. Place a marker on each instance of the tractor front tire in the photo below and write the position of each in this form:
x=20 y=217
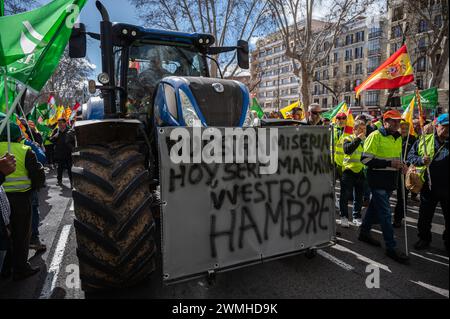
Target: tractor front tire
x=113 y=219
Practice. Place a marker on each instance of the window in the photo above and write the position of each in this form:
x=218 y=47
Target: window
x=316 y=101
x=348 y=39
x=285 y=58
x=359 y=36
x=421 y=64
x=397 y=14
x=395 y=47
x=294 y=90
x=276 y=60
x=372 y=98
x=423 y=26
x=335 y=71
x=285 y=69
x=261 y=95
x=348 y=69
x=335 y=57
x=277 y=49
x=419 y=82
x=324 y=102
x=269 y=94
x=293 y=79
x=396 y=32
x=359 y=53
x=372 y=63
x=324 y=90
x=316 y=90
x=268 y=62
x=336 y=43
x=269 y=51
x=285 y=81
x=348 y=86
x=375 y=33
x=261 y=54
x=347 y=99
x=422 y=43
x=348 y=55
x=356 y=83
x=358 y=68
x=325 y=74
x=317 y=75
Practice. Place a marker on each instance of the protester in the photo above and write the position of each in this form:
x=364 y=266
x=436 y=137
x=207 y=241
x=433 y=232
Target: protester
x=407 y=143
x=29 y=175
x=37 y=136
x=437 y=159
x=64 y=139
x=326 y=121
x=7 y=167
x=364 y=118
x=297 y=113
x=352 y=181
x=49 y=149
x=382 y=155
x=314 y=115
x=339 y=135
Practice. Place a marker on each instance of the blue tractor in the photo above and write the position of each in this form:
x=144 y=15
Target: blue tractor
x=150 y=78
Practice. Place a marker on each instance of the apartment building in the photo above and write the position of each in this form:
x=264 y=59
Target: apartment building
x=399 y=19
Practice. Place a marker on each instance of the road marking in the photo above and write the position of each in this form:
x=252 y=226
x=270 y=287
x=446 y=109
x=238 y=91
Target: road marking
x=438 y=262
x=345 y=240
x=53 y=271
x=335 y=260
x=361 y=257
x=440 y=256
x=435 y=228
x=435 y=289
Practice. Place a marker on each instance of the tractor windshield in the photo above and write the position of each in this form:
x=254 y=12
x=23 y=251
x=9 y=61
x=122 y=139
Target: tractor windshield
x=149 y=63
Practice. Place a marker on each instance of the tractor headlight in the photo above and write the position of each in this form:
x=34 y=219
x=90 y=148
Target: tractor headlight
x=189 y=114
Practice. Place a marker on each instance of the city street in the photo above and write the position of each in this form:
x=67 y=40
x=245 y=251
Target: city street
x=336 y=272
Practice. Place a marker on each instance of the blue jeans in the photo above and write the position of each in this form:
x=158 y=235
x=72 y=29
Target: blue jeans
x=35 y=215
x=379 y=211
x=351 y=183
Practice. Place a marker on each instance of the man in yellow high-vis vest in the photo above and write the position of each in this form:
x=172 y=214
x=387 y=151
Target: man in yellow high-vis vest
x=339 y=135
x=382 y=154
x=352 y=181
x=437 y=160
x=29 y=174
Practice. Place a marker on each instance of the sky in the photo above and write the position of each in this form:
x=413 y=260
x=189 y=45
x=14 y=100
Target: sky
x=119 y=11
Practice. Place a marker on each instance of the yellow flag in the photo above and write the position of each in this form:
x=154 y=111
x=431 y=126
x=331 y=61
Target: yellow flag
x=284 y=111
x=408 y=114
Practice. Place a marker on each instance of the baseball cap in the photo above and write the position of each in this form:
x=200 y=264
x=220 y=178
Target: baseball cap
x=442 y=119
x=393 y=115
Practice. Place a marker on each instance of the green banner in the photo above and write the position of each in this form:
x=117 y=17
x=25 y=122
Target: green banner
x=2 y=8
x=11 y=94
x=428 y=98
x=257 y=108
x=32 y=43
x=333 y=112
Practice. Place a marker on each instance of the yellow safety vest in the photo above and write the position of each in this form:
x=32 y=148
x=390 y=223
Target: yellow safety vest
x=429 y=142
x=383 y=147
x=19 y=180
x=353 y=161
x=339 y=147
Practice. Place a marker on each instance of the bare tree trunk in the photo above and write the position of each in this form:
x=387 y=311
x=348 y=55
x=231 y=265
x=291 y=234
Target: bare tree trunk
x=305 y=87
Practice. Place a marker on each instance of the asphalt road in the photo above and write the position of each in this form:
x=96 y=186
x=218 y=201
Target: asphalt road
x=336 y=272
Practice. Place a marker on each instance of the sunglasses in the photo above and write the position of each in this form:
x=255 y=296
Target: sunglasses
x=315 y=113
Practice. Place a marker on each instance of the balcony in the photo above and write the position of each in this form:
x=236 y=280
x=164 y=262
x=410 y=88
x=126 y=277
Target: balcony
x=373 y=52
x=375 y=34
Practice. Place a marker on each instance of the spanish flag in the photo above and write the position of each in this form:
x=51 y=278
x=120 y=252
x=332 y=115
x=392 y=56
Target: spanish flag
x=393 y=73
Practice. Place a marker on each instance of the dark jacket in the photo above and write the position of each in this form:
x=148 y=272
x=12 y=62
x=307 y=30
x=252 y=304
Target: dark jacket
x=35 y=170
x=387 y=180
x=64 y=143
x=438 y=167
x=351 y=146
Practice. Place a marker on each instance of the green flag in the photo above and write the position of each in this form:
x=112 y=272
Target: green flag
x=257 y=108
x=11 y=94
x=34 y=41
x=332 y=113
x=428 y=98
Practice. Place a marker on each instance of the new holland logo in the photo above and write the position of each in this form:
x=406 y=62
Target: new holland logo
x=218 y=87
x=28 y=46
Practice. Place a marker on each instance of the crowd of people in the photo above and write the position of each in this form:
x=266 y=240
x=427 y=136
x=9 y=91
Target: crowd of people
x=22 y=176
x=371 y=163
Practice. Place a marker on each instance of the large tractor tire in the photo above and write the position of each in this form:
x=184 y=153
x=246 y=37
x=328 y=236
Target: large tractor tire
x=113 y=219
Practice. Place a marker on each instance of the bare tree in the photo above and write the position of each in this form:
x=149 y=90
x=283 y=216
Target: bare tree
x=17 y=6
x=308 y=42
x=227 y=20
x=428 y=19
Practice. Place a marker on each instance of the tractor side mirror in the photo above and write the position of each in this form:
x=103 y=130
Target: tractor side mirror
x=242 y=54
x=77 y=42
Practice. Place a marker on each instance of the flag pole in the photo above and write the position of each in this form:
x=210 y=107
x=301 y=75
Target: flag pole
x=8 y=129
x=405 y=202
x=24 y=116
x=423 y=135
x=11 y=109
